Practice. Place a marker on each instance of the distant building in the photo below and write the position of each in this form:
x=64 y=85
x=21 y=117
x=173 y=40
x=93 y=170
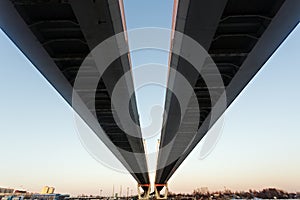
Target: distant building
x=6 y=191
x=202 y=190
x=51 y=190
x=20 y=191
x=47 y=190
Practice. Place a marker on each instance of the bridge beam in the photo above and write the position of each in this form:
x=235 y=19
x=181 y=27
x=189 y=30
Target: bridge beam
x=146 y=191
x=158 y=188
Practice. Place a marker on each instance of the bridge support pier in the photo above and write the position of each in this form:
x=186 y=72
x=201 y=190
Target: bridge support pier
x=146 y=191
x=158 y=188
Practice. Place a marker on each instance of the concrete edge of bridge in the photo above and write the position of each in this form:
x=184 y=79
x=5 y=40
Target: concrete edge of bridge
x=158 y=188
x=146 y=191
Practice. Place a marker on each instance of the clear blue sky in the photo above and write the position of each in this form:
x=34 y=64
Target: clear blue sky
x=259 y=146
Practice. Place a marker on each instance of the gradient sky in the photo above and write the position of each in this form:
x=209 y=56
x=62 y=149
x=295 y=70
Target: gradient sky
x=259 y=146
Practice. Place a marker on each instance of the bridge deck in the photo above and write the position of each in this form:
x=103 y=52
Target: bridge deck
x=56 y=36
x=239 y=36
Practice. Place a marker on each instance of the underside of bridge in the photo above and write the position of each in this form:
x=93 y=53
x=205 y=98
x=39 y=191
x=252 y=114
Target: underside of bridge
x=239 y=36
x=57 y=36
